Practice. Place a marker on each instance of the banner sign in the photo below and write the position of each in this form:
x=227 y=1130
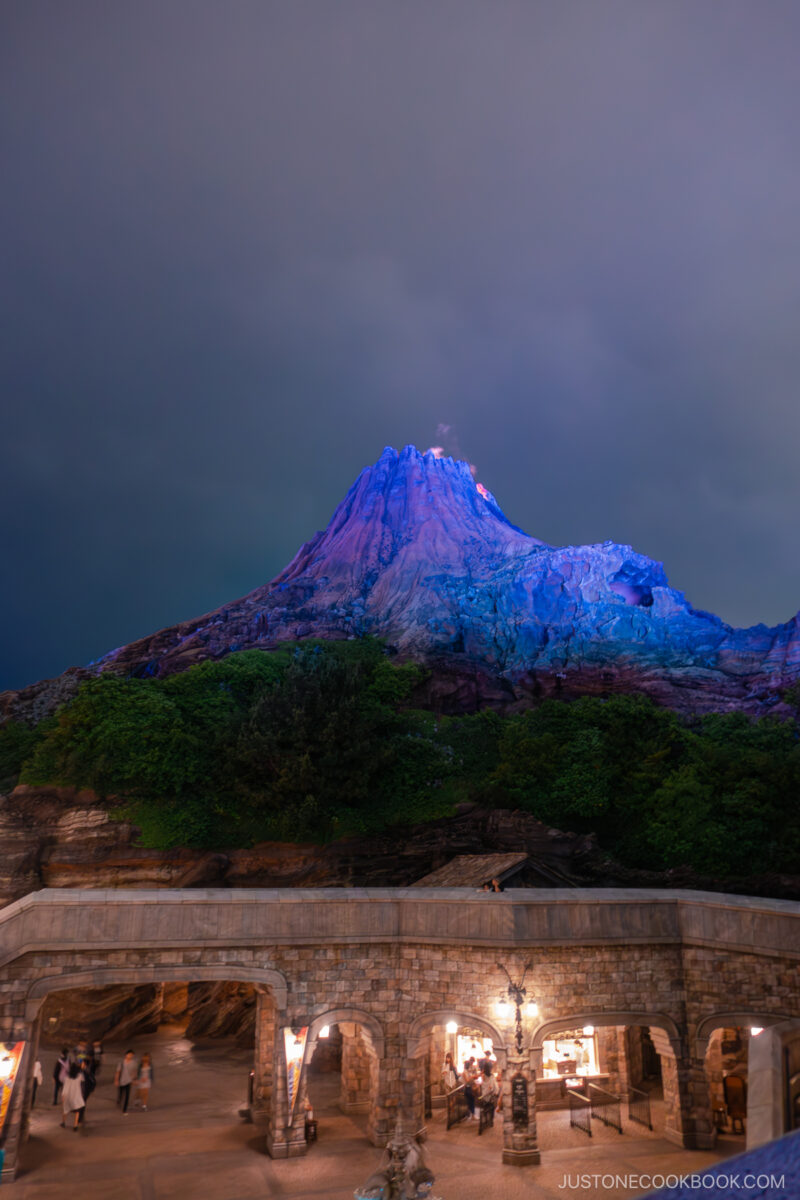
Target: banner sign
x=10 y=1059
x=295 y=1047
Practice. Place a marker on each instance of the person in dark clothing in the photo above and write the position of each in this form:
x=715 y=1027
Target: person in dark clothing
x=127 y=1071
x=88 y=1084
x=60 y=1073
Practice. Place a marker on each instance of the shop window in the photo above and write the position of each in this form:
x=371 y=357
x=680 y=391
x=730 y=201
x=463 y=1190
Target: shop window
x=573 y=1052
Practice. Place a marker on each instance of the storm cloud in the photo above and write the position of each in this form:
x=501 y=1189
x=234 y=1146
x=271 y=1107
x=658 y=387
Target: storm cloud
x=244 y=246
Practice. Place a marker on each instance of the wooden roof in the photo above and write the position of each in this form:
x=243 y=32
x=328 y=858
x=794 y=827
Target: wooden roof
x=473 y=870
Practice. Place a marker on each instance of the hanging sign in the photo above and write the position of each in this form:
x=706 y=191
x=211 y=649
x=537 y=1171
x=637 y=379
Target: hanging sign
x=10 y=1059
x=295 y=1047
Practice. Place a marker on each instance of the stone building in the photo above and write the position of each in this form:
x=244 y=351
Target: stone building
x=392 y=969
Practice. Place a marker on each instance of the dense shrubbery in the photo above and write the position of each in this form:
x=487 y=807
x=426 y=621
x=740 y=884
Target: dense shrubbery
x=316 y=740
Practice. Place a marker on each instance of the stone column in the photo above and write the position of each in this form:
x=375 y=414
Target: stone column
x=687 y=1100
x=286 y=1133
x=439 y=1046
x=624 y=1080
x=520 y=1145
x=264 y=1061
x=633 y=1055
x=397 y=1091
x=357 y=1066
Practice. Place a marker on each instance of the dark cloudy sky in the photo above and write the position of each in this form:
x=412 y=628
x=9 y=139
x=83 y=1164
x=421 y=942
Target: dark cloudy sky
x=245 y=245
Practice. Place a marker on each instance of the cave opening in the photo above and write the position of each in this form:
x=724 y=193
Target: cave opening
x=199 y=1040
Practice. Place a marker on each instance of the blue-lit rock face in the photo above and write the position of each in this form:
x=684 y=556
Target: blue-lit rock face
x=417 y=554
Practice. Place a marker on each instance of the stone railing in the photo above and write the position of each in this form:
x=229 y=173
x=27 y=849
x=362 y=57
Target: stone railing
x=76 y=919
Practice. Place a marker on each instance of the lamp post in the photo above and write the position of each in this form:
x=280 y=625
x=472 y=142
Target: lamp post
x=520 y=1148
x=516 y=993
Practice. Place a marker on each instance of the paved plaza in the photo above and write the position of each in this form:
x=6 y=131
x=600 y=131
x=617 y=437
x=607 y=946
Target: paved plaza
x=193 y=1143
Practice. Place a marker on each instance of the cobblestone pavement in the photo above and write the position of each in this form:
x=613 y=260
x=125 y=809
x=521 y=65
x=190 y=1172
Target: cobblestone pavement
x=192 y=1144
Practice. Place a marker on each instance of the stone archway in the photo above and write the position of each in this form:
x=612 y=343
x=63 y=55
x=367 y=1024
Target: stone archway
x=275 y=981
x=736 y=1018
x=362 y=1050
x=595 y=1017
x=774 y=1100
x=271 y=998
x=420 y=1028
x=730 y=1061
x=687 y=1104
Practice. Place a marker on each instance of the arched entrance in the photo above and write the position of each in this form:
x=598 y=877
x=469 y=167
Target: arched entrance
x=626 y=1061
x=749 y=1059
x=343 y=1054
x=134 y=1006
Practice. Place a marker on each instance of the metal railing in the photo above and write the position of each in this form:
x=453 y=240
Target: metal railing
x=580 y=1112
x=639 y=1107
x=605 y=1107
x=456 y=1106
x=486 y=1113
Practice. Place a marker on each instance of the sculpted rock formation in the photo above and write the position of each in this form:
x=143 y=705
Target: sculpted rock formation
x=59 y=837
x=420 y=555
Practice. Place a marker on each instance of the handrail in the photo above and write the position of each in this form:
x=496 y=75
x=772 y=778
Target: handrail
x=580 y=1112
x=605 y=1106
x=456 y=1106
x=639 y=1107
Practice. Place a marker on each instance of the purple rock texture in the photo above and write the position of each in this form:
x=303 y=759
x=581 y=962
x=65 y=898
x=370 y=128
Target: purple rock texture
x=419 y=555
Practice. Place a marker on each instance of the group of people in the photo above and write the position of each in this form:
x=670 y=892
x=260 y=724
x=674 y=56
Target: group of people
x=75 y=1078
x=129 y=1073
x=482 y=1088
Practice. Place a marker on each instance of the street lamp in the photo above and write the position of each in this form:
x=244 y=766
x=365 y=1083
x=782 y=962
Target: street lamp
x=516 y=993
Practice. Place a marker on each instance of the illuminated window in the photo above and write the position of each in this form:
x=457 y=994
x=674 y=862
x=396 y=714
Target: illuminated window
x=573 y=1052
x=469 y=1045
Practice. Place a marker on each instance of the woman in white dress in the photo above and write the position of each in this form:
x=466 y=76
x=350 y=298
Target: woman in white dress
x=72 y=1100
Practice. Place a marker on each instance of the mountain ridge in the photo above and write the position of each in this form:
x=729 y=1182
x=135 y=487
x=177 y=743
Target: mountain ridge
x=421 y=555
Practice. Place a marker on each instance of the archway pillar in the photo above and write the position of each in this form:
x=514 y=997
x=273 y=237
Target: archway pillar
x=520 y=1143
x=357 y=1069
x=398 y=1092
x=285 y=1133
x=687 y=1097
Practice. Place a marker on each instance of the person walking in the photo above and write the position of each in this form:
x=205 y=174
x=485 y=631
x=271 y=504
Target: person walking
x=37 y=1079
x=489 y=1091
x=72 y=1100
x=60 y=1071
x=144 y=1081
x=127 y=1070
x=88 y=1084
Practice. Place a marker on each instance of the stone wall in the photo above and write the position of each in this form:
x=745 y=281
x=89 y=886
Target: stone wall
x=393 y=964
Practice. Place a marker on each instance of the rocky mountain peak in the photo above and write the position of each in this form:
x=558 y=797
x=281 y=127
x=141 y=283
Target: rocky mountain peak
x=421 y=555
x=410 y=506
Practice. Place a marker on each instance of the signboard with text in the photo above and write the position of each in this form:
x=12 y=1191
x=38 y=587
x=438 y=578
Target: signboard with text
x=519 y=1100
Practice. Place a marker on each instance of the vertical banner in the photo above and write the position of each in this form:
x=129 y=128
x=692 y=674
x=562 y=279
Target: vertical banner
x=295 y=1046
x=10 y=1059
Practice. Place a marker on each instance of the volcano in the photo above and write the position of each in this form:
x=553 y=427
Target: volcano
x=421 y=556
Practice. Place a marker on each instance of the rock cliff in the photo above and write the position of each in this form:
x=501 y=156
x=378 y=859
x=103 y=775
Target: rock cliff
x=420 y=555
x=58 y=837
